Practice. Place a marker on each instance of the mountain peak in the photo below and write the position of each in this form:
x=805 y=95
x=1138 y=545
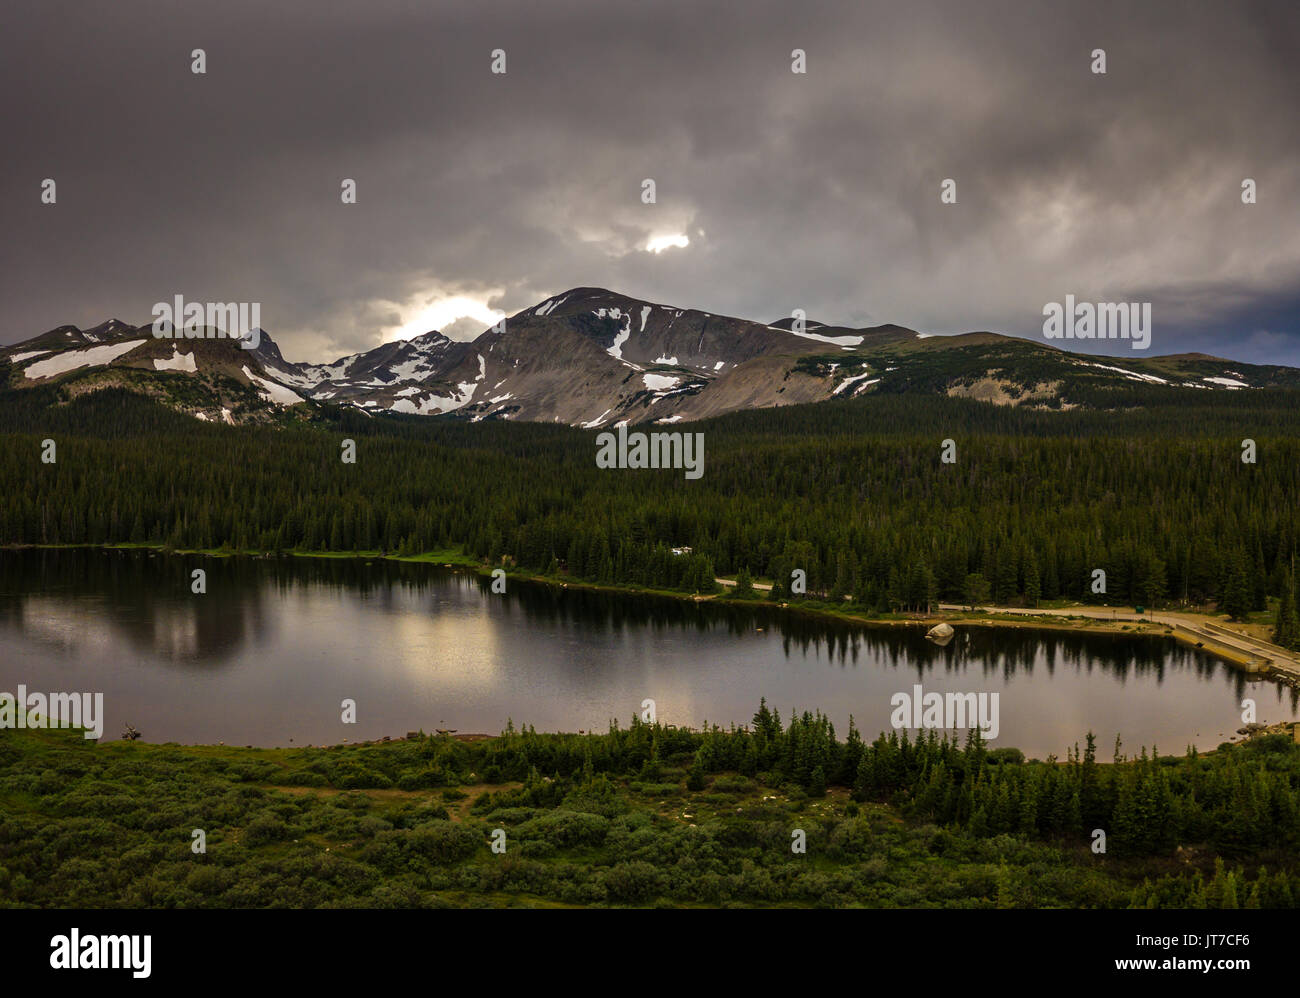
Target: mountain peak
x=787 y=323
x=580 y=299
x=594 y=357
x=111 y=329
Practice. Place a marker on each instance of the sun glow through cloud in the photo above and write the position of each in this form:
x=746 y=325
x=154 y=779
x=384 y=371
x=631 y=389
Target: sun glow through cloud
x=422 y=314
x=660 y=243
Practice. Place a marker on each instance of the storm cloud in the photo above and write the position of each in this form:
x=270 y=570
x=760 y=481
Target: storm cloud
x=817 y=191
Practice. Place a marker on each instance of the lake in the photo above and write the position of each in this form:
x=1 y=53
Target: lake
x=269 y=652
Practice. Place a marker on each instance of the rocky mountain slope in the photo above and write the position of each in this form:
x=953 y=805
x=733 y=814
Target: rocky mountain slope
x=593 y=358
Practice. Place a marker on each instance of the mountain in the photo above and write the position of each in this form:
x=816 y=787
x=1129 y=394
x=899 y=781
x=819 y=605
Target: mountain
x=210 y=379
x=591 y=357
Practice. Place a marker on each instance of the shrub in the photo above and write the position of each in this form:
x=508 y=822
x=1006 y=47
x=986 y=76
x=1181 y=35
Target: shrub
x=566 y=829
x=633 y=881
x=733 y=783
x=265 y=828
x=442 y=842
x=304 y=778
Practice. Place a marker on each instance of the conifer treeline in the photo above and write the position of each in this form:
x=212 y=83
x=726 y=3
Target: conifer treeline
x=1242 y=801
x=853 y=493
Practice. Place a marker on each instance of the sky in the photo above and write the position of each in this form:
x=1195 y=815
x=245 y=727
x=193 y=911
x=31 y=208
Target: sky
x=480 y=193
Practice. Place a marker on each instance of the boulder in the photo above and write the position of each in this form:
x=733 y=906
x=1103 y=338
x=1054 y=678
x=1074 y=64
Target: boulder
x=940 y=633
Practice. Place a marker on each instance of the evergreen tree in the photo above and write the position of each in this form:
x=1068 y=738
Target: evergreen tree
x=1236 y=593
x=1286 y=631
x=1033 y=585
x=976 y=590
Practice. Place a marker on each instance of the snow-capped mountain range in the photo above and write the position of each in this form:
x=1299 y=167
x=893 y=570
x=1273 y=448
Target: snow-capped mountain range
x=592 y=358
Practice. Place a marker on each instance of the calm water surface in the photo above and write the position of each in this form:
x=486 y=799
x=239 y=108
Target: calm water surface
x=274 y=646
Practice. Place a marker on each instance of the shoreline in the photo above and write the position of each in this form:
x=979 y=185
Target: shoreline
x=1185 y=627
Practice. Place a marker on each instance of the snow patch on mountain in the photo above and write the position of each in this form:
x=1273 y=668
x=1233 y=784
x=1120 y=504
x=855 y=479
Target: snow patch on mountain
x=409 y=370
x=839 y=341
x=271 y=391
x=548 y=306
x=70 y=360
x=622 y=336
x=437 y=403
x=177 y=362
x=1132 y=375
x=297 y=380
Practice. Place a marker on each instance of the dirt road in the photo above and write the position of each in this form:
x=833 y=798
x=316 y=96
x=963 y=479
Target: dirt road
x=1254 y=653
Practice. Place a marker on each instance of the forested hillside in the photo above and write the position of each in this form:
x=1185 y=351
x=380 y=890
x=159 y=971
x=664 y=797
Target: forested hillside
x=854 y=493
x=645 y=815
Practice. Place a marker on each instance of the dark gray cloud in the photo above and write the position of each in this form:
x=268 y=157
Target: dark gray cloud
x=816 y=191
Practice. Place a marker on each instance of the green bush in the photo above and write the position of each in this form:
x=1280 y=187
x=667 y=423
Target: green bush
x=265 y=828
x=441 y=842
x=304 y=778
x=565 y=829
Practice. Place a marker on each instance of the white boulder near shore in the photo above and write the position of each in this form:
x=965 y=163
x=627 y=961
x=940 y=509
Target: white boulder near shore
x=941 y=633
